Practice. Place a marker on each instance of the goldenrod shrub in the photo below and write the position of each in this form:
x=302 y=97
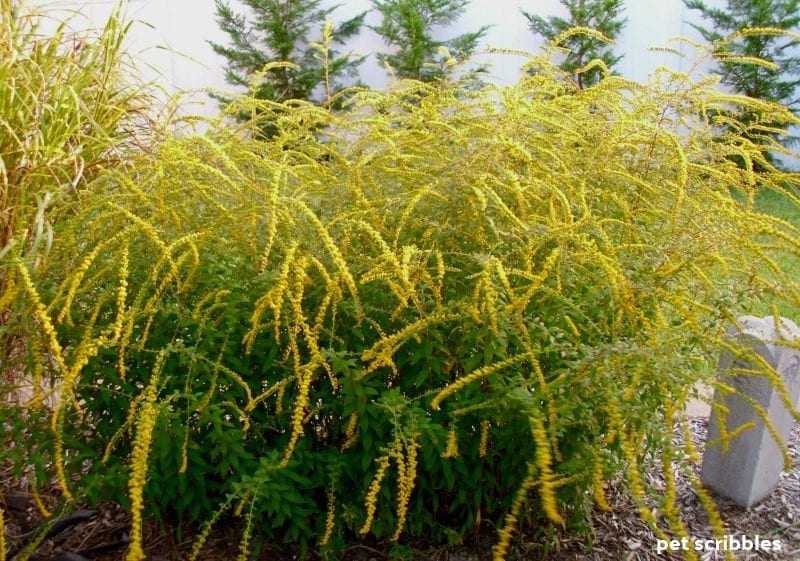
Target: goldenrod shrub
x=443 y=306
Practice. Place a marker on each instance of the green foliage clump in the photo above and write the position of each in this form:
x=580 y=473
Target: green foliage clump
x=461 y=306
x=409 y=25
x=602 y=16
x=756 y=44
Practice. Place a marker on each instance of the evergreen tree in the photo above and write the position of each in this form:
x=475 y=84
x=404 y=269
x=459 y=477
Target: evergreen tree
x=409 y=26
x=280 y=31
x=778 y=84
x=604 y=16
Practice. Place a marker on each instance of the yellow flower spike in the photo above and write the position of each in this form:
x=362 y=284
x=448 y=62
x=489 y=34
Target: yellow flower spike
x=670 y=491
x=628 y=445
x=145 y=424
x=40 y=506
x=350 y=434
x=574 y=328
x=37 y=402
x=237 y=512
x=477 y=292
x=614 y=423
x=715 y=521
x=40 y=312
x=277 y=388
x=484 y=444
x=272 y=219
x=334 y=252
x=122 y=295
x=405 y=482
x=58 y=453
x=500 y=550
x=490 y=302
x=402 y=500
x=273 y=299
x=330 y=519
x=409 y=331
x=370 y=501
x=770 y=426
x=522 y=301
x=477 y=375
x=9 y=295
x=301 y=403
x=79 y=273
x=597 y=485
x=2 y=536
x=451 y=451
x=244 y=544
x=500 y=271
x=125 y=428
x=184 y=452
x=279 y=398
x=544 y=465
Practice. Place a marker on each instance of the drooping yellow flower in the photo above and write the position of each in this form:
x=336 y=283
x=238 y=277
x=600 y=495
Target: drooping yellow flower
x=370 y=501
x=145 y=423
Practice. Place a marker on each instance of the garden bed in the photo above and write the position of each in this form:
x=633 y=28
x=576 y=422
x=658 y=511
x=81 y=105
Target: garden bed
x=618 y=535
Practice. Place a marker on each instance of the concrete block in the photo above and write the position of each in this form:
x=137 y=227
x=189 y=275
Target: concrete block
x=751 y=467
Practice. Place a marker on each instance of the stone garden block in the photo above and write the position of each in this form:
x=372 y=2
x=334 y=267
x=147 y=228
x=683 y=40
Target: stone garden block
x=751 y=467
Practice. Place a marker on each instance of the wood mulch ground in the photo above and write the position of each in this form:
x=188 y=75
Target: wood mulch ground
x=619 y=535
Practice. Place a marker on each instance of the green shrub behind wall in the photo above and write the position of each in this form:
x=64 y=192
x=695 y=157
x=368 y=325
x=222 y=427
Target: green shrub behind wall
x=464 y=306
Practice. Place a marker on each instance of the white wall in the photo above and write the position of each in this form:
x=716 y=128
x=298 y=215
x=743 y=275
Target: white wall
x=169 y=36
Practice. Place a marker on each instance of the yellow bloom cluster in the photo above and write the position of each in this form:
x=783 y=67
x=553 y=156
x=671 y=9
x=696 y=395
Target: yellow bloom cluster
x=350 y=432
x=522 y=236
x=38 y=371
x=370 y=501
x=537 y=280
x=628 y=443
x=670 y=491
x=145 y=424
x=381 y=352
x=77 y=276
x=9 y=294
x=58 y=452
x=330 y=518
x=272 y=299
x=484 y=445
x=714 y=519
x=451 y=451
x=272 y=218
x=406 y=474
x=300 y=404
x=40 y=312
x=543 y=463
x=122 y=295
x=40 y=506
x=484 y=300
x=597 y=485
x=500 y=550
x=334 y=252
x=244 y=543
x=477 y=375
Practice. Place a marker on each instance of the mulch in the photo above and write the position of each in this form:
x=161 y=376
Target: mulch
x=101 y=533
